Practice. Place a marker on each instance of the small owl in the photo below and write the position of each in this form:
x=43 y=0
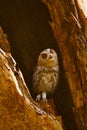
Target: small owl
x=46 y=75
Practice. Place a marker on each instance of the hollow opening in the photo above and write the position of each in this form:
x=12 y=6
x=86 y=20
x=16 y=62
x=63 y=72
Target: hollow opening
x=26 y=23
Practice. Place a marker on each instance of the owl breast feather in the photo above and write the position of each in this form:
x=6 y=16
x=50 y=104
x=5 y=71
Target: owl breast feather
x=45 y=80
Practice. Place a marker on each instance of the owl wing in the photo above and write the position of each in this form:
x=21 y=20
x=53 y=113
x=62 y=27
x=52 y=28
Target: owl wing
x=37 y=75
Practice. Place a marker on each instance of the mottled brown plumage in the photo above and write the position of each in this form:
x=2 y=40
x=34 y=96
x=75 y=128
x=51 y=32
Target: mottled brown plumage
x=46 y=75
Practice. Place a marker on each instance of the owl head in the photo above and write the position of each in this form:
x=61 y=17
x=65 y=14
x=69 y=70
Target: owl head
x=48 y=58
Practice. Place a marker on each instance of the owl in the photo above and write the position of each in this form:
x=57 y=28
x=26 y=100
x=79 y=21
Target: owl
x=46 y=75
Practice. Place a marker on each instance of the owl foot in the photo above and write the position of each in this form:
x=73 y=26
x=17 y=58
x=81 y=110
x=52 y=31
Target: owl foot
x=44 y=97
x=38 y=98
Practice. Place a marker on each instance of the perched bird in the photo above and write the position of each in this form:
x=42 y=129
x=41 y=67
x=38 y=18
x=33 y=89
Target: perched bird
x=46 y=75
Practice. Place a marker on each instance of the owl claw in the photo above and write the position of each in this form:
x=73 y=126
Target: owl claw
x=38 y=98
x=44 y=100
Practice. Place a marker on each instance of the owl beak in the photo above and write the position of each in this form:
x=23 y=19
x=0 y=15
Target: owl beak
x=51 y=58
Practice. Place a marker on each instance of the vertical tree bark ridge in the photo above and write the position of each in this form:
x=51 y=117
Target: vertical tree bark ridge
x=82 y=8
x=68 y=31
x=4 y=44
x=17 y=109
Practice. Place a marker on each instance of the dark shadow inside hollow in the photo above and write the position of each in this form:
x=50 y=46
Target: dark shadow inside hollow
x=64 y=102
x=26 y=23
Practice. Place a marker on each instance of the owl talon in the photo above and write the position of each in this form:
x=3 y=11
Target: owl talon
x=44 y=100
x=38 y=98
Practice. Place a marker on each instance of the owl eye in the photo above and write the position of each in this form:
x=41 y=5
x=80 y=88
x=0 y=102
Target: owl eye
x=44 y=56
